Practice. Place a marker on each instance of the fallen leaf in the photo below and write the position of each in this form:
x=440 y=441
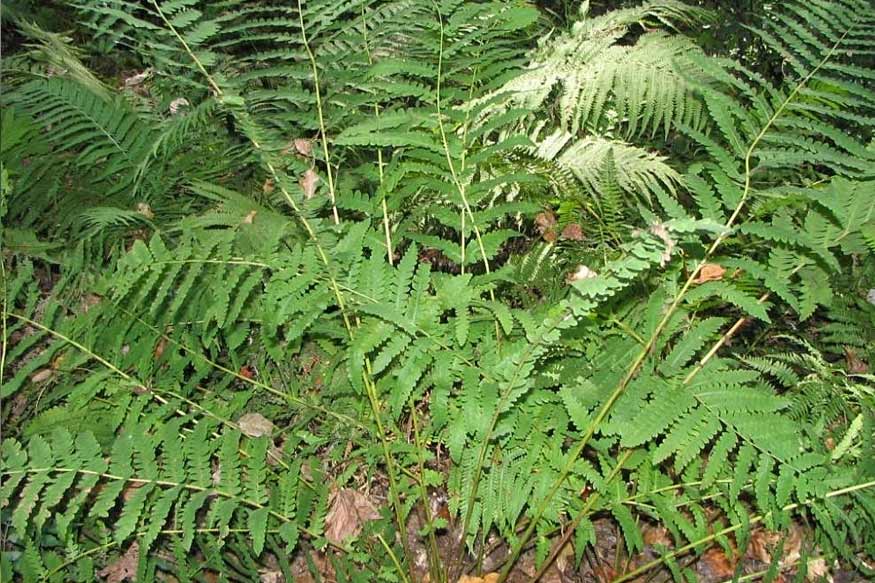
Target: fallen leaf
x=267 y=576
x=255 y=425
x=177 y=104
x=145 y=210
x=246 y=372
x=159 y=347
x=565 y=558
x=656 y=535
x=710 y=272
x=268 y=186
x=348 y=510
x=250 y=217
x=582 y=272
x=573 y=232
x=818 y=570
x=660 y=231
x=124 y=567
x=41 y=375
x=308 y=183
x=604 y=573
x=138 y=79
x=856 y=365
x=487 y=578
x=763 y=543
x=715 y=566
x=88 y=301
x=303 y=146
x=545 y=223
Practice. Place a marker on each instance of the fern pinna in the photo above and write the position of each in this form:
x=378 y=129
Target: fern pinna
x=324 y=214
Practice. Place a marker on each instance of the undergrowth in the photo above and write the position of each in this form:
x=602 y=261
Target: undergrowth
x=433 y=248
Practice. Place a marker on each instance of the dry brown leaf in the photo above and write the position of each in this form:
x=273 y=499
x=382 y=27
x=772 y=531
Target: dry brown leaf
x=145 y=210
x=41 y=375
x=817 y=570
x=582 y=272
x=710 y=272
x=270 y=576
x=656 y=535
x=88 y=301
x=856 y=365
x=573 y=232
x=255 y=425
x=487 y=578
x=138 y=79
x=660 y=231
x=268 y=186
x=348 y=511
x=546 y=223
x=303 y=146
x=177 y=104
x=160 y=346
x=565 y=558
x=716 y=566
x=763 y=543
x=124 y=568
x=308 y=183
x=250 y=217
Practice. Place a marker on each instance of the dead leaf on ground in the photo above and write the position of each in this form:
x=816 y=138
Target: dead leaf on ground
x=138 y=79
x=348 y=510
x=177 y=104
x=817 y=570
x=159 y=347
x=269 y=576
x=487 y=578
x=546 y=223
x=656 y=535
x=573 y=232
x=124 y=568
x=144 y=209
x=856 y=365
x=660 y=231
x=582 y=272
x=41 y=375
x=763 y=543
x=255 y=425
x=88 y=301
x=250 y=217
x=716 y=566
x=308 y=183
x=268 y=186
x=303 y=146
x=710 y=272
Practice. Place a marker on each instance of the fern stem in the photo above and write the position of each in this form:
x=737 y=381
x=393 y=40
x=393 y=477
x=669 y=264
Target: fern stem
x=319 y=112
x=394 y=558
x=434 y=557
x=390 y=254
x=446 y=146
x=583 y=513
x=730 y=529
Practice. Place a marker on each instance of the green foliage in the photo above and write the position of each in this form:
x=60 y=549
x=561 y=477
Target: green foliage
x=439 y=254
